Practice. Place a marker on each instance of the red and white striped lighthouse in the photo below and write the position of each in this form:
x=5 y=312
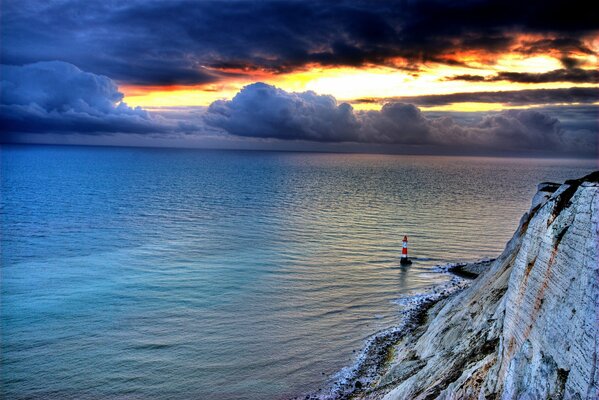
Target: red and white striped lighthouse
x=404 y=252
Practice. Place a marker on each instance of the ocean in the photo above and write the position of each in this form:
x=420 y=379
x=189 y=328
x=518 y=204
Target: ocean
x=136 y=273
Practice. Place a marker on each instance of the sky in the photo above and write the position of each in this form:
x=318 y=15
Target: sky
x=417 y=77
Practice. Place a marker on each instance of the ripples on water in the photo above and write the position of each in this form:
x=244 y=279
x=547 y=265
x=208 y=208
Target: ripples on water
x=143 y=273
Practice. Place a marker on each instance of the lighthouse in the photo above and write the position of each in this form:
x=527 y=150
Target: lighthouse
x=404 y=252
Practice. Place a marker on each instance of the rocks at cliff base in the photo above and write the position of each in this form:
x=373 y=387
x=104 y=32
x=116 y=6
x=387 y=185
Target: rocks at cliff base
x=471 y=270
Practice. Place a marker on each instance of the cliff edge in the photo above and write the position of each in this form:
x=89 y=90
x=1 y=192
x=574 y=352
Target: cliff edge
x=528 y=326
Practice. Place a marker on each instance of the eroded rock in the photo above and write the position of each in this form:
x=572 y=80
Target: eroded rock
x=528 y=326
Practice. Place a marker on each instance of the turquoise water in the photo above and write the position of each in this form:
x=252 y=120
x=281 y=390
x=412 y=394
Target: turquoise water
x=155 y=273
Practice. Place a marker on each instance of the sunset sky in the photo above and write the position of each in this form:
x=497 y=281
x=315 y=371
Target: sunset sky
x=433 y=77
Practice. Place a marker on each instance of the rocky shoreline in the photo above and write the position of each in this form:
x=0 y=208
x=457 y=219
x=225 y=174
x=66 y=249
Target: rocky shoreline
x=525 y=326
x=375 y=357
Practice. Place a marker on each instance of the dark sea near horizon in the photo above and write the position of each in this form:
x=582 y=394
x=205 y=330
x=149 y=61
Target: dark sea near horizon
x=202 y=274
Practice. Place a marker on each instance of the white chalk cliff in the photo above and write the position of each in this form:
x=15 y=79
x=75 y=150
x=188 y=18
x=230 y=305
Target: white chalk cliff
x=528 y=327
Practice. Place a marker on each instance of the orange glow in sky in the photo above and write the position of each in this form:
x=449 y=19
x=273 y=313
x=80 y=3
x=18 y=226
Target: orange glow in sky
x=349 y=83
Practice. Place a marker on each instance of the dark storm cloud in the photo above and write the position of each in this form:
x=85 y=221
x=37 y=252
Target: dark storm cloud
x=169 y=42
x=59 y=97
x=570 y=62
x=513 y=97
x=574 y=75
x=565 y=44
x=261 y=110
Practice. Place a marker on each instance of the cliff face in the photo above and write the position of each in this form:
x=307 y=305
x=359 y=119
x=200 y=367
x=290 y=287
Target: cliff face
x=528 y=327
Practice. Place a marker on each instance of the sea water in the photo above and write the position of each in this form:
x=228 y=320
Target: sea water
x=202 y=274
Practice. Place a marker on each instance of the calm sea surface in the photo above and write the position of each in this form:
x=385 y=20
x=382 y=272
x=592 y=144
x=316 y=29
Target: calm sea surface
x=189 y=274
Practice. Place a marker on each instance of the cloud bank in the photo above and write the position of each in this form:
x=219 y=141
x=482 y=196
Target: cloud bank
x=514 y=97
x=261 y=110
x=574 y=75
x=59 y=98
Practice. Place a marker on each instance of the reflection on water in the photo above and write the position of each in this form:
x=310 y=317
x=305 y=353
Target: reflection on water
x=144 y=273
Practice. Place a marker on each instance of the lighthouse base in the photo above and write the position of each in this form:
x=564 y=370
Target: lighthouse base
x=405 y=261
